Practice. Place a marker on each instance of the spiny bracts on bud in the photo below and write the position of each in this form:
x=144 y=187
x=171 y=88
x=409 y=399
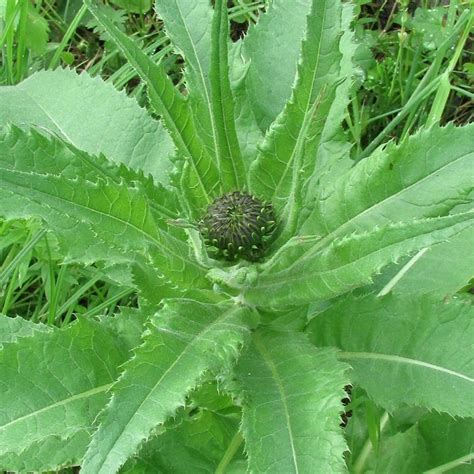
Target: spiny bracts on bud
x=238 y=225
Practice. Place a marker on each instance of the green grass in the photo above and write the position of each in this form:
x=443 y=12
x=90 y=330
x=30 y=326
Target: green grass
x=416 y=66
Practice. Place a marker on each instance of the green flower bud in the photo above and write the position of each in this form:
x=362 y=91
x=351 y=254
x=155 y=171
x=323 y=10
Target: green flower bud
x=238 y=225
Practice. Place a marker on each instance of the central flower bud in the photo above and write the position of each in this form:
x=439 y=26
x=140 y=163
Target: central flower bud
x=238 y=225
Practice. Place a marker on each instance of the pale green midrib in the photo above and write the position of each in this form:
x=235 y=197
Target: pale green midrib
x=334 y=234
x=451 y=464
x=65 y=135
x=233 y=155
x=184 y=352
x=402 y=360
x=201 y=75
x=276 y=377
x=101 y=213
x=86 y=394
x=84 y=158
x=304 y=128
x=286 y=275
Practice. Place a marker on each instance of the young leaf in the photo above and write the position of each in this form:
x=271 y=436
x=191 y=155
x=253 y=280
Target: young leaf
x=229 y=158
x=330 y=270
x=101 y=220
x=52 y=385
x=201 y=175
x=187 y=23
x=405 y=351
x=271 y=49
x=423 y=177
x=292 y=401
x=184 y=339
x=248 y=132
x=333 y=155
x=287 y=156
x=91 y=115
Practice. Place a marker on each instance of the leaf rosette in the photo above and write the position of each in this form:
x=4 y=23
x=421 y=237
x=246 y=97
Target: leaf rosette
x=322 y=229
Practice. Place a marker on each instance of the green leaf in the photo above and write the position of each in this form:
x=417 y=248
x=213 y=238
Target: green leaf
x=184 y=339
x=91 y=115
x=333 y=153
x=187 y=23
x=430 y=271
x=418 y=343
x=436 y=442
x=292 y=402
x=271 y=48
x=134 y=6
x=287 y=156
x=103 y=220
x=423 y=177
x=248 y=132
x=231 y=168
x=49 y=454
x=449 y=442
x=55 y=157
x=52 y=385
x=325 y=271
x=401 y=453
x=200 y=174
x=38 y=28
x=196 y=445
x=11 y=329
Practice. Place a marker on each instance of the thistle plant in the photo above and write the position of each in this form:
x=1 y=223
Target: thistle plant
x=276 y=273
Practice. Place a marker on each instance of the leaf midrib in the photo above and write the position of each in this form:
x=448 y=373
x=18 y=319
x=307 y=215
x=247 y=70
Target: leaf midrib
x=305 y=126
x=286 y=276
x=184 y=352
x=333 y=234
x=283 y=397
x=65 y=401
x=202 y=78
x=101 y=213
x=402 y=360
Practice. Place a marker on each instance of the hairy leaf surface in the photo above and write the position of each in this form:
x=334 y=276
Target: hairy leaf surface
x=13 y=328
x=405 y=351
x=91 y=115
x=184 y=339
x=100 y=220
x=287 y=155
x=347 y=263
x=50 y=453
x=188 y=24
x=442 y=269
x=53 y=156
x=292 y=393
x=272 y=48
x=53 y=384
x=201 y=174
x=229 y=157
x=423 y=177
